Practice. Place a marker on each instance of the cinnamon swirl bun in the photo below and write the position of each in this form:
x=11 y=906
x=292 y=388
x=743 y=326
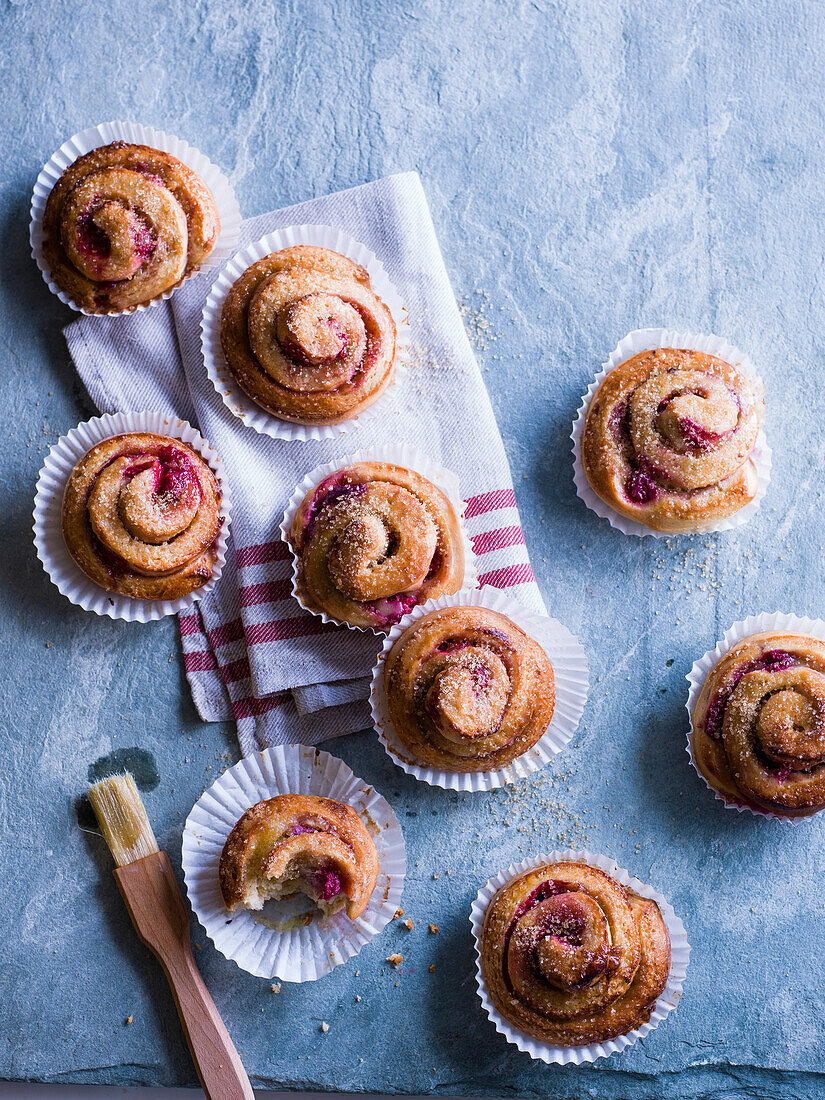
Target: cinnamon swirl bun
x=758 y=729
x=294 y=844
x=372 y=540
x=124 y=224
x=669 y=438
x=141 y=514
x=306 y=336
x=467 y=690
x=571 y=957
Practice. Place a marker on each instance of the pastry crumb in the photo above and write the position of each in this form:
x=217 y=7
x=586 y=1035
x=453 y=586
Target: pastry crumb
x=432 y=968
x=398 y=913
x=357 y=998
x=408 y=924
x=395 y=960
x=276 y=987
x=324 y=1027
x=129 y=1019
x=433 y=929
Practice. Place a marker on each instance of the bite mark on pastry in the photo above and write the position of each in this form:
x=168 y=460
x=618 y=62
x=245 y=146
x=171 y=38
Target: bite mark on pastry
x=294 y=844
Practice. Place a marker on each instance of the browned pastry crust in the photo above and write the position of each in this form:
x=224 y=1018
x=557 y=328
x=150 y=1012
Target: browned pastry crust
x=373 y=540
x=124 y=224
x=571 y=957
x=758 y=730
x=467 y=690
x=141 y=514
x=306 y=337
x=669 y=436
x=297 y=843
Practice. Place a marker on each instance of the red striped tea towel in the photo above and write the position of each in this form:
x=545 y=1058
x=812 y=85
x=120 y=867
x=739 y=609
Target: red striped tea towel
x=250 y=651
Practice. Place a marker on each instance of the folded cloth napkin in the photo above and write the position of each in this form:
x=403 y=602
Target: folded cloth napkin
x=250 y=651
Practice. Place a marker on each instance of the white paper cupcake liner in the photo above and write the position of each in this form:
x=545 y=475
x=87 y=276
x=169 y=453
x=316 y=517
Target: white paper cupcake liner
x=647 y=339
x=238 y=402
x=275 y=943
x=399 y=455
x=61 y=567
x=96 y=136
x=570 y=671
x=667 y=1002
x=754 y=624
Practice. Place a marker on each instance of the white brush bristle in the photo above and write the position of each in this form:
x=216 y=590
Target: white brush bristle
x=122 y=818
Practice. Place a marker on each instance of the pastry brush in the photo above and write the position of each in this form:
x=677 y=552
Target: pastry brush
x=148 y=885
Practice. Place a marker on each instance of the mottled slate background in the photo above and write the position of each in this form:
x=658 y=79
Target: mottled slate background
x=592 y=167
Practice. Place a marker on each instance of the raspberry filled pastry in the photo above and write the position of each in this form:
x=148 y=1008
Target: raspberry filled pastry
x=306 y=337
x=295 y=844
x=758 y=729
x=572 y=957
x=141 y=516
x=669 y=438
x=372 y=540
x=467 y=690
x=124 y=224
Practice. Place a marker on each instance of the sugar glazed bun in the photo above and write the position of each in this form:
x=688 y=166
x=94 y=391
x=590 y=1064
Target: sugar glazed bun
x=306 y=337
x=467 y=690
x=124 y=224
x=141 y=516
x=373 y=540
x=669 y=438
x=572 y=957
x=758 y=730
x=294 y=844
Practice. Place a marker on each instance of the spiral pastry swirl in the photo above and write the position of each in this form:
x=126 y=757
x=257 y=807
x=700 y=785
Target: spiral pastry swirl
x=294 y=844
x=372 y=540
x=759 y=724
x=306 y=336
x=669 y=437
x=467 y=690
x=141 y=514
x=124 y=224
x=572 y=957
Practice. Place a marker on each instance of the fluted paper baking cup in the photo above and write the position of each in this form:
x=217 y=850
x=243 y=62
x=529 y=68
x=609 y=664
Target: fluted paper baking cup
x=399 y=455
x=754 y=624
x=93 y=138
x=570 y=672
x=667 y=1002
x=276 y=942
x=647 y=339
x=238 y=402
x=51 y=547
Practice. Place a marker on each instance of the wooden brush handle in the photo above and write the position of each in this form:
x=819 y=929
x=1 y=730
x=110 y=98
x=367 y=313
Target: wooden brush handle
x=159 y=914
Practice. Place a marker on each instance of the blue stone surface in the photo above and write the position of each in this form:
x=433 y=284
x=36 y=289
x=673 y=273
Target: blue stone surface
x=592 y=167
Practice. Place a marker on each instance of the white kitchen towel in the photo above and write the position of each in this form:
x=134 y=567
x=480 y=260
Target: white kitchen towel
x=250 y=651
